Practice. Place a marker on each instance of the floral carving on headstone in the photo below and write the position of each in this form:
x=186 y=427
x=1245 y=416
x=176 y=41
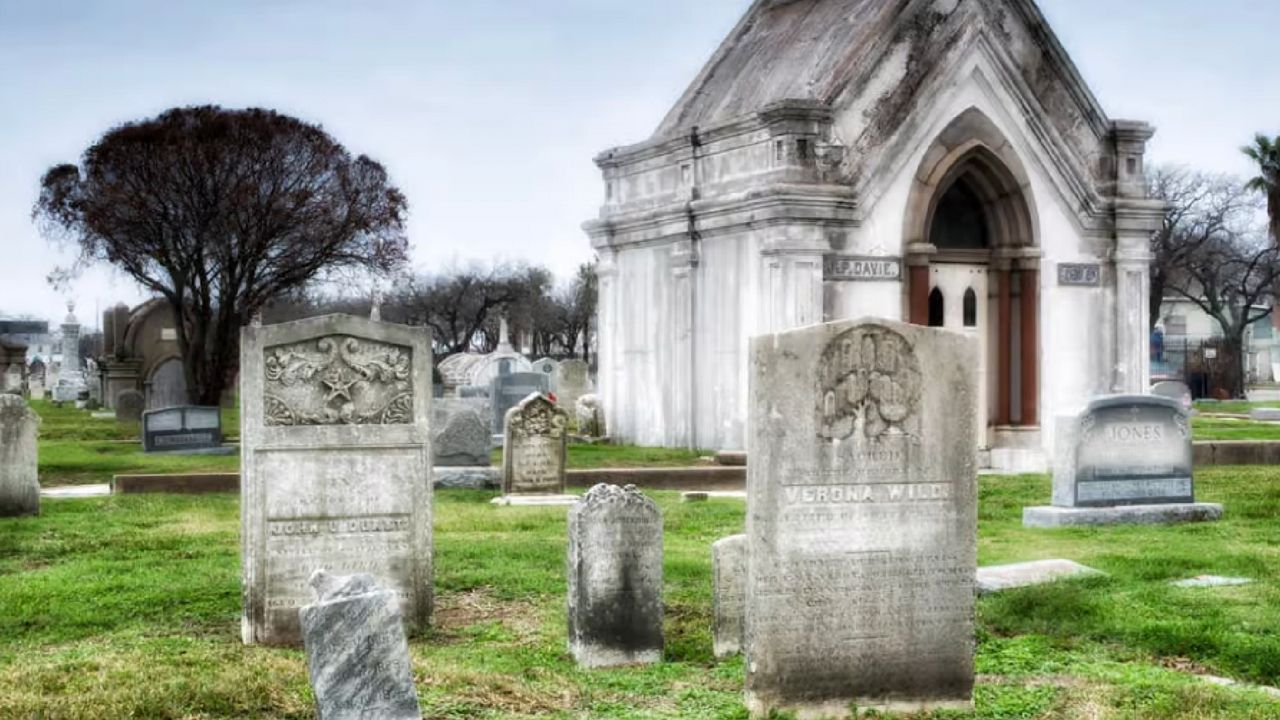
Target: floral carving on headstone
x=870 y=381
x=338 y=380
x=540 y=417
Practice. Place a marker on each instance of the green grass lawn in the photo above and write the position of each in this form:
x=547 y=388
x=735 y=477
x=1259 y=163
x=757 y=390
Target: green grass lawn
x=1234 y=407
x=1207 y=428
x=129 y=607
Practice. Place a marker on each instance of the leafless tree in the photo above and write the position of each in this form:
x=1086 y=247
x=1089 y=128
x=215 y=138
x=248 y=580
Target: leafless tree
x=1214 y=251
x=220 y=212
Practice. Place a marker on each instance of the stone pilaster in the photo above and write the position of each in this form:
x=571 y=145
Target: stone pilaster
x=682 y=428
x=1135 y=221
x=608 y=356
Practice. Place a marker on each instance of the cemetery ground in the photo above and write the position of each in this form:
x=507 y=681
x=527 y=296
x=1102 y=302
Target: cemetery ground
x=129 y=607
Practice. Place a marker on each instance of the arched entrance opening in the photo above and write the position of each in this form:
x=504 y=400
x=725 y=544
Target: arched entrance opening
x=167 y=386
x=974 y=268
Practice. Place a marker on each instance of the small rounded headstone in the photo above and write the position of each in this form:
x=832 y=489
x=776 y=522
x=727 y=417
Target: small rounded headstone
x=129 y=406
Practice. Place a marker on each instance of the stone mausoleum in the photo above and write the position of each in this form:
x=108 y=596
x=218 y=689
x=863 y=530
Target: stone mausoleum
x=940 y=162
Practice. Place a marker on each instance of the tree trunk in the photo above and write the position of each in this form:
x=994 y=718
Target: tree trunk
x=1234 y=370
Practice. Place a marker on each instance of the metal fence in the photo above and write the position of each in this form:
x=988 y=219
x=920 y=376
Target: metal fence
x=1207 y=365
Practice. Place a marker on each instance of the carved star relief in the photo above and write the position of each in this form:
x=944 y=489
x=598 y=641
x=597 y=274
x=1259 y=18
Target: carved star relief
x=338 y=388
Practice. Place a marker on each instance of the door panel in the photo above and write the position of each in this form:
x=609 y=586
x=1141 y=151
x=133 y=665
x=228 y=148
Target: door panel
x=954 y=282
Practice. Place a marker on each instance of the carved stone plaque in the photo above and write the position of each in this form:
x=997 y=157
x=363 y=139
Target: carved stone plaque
x=1080 y=275
x=856 y=268
x=338 y=380
x=862 y=520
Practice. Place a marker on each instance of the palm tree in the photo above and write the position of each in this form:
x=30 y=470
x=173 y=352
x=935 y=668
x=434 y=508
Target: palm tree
x=1266 y=153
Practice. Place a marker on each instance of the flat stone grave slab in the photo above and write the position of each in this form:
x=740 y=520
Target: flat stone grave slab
x=1265 y=414
x=1019 y=575
x=1056 y=517
x=535 y=500
x=73 y=492
x=700 y=496
x=1213 y=581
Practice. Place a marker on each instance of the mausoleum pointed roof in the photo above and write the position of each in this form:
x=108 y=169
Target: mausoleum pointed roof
x=829 y=52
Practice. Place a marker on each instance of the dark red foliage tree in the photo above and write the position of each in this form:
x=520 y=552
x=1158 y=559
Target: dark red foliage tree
x=221 y=211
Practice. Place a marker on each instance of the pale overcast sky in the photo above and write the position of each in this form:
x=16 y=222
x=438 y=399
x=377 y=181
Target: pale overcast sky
x=487 y=113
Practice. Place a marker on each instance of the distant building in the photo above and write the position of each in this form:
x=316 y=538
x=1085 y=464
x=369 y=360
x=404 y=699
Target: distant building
x=41 y=344
x=1183 y=330
x=140 y=352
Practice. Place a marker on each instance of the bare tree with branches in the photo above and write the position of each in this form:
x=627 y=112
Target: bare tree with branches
x=219 y=212
x=1213 y=252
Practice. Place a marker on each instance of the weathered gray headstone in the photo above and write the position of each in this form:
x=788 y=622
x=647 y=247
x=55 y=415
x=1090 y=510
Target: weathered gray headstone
x=1174 y=390
x=1126 y=460
x=590 y=416
x=729 y=570
x=181 y=429
x=550 y=368
x=357 y=653
x=615 y=578
x=533 y=451
x=129 y=406
x=507 y=391
x=464 y=441
x=861 y=520
x=19 y=481
x=573 y=380
x=336 y=465
x=1128 y=450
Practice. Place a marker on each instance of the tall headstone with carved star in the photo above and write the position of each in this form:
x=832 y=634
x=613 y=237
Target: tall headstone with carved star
x=336 y=465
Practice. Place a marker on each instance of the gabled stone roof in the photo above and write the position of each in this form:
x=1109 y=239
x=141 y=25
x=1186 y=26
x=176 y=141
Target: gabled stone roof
x=828 y=50
x=781 y=50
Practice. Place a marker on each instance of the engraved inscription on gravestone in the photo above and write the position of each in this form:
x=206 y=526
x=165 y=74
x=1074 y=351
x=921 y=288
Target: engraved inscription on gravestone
x=533 y=456
x=181 y=428
x=862 y=520
x=615 y=578
x=729 y=571
x=1133 y=450
x=336 y=465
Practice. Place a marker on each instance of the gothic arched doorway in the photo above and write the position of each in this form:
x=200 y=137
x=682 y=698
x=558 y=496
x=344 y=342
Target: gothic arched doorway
x=974 y=268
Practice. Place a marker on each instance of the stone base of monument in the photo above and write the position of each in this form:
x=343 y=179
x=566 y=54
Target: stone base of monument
x=827 y=711
x=1055 y=517
x=467 y=478
x=224 y=450
x=536 y=500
